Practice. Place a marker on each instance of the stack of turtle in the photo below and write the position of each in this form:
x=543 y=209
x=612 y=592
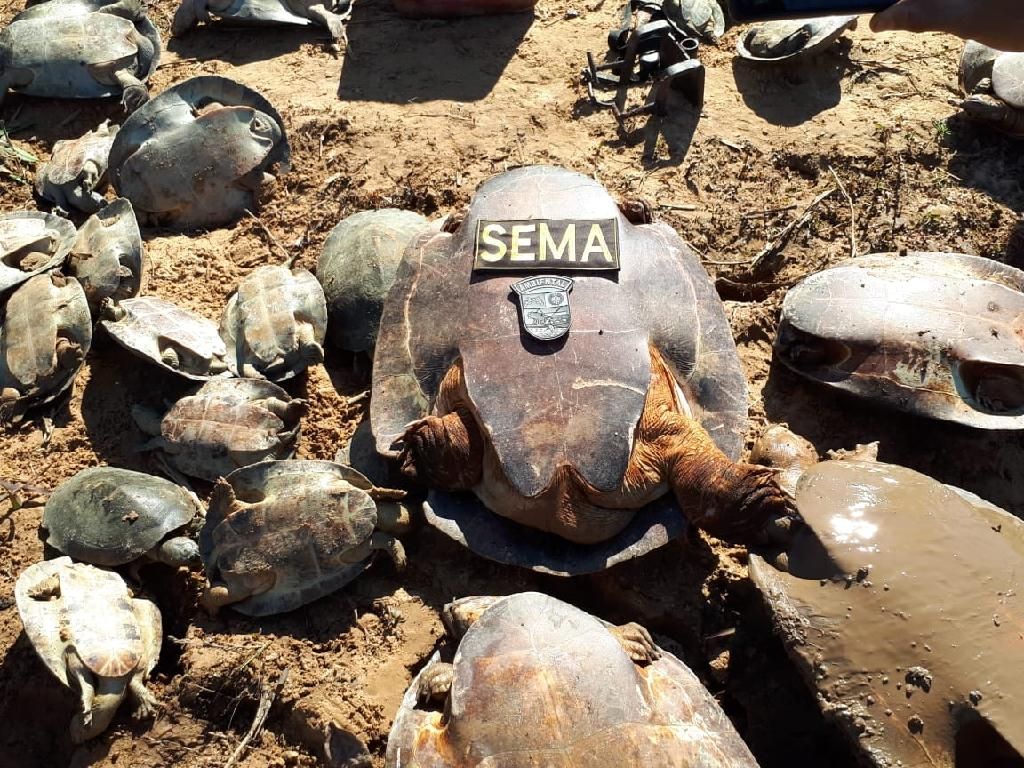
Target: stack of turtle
x=546 y=435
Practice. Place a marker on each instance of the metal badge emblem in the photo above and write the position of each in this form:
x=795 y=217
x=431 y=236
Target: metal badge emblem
x=544 y=305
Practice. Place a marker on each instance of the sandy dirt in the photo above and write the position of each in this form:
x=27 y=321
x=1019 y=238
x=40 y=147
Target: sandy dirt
x=416 y=114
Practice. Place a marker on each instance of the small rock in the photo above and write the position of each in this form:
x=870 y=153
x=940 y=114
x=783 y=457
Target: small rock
x=291 y=757
x=915 y=724
x=975 y=697
x=920 y=677
x=572 y=13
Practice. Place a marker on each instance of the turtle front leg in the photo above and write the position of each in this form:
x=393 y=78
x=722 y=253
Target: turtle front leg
x=391 y=545
x=636 y=642
x=135 y=92
x=435 y=683
x=80 y=677
x=443 y=451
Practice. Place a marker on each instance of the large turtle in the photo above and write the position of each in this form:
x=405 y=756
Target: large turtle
x=281 y=534
x=93 y=636
x=110 y=516
x=791 y=39
x=176 y=339
x=331 y=14
x=76 y=173
x=45 y=334
x=32 y=242
x=356 y=269
x=107 y=257
x=993 y=82
x=80 y=49
x=899 y=602
x=226 y=424
x=274 y=323
x=935 y=334
x=572 y=435
x=199 y=154
x=536 y=681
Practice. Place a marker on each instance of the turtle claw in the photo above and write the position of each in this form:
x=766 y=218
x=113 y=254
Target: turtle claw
x=435 y=683
x=637 y=643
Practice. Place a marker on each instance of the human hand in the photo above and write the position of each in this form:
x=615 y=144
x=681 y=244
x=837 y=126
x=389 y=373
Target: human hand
x=996 y=23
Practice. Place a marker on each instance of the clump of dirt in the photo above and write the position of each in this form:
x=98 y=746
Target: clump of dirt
x=787 y=171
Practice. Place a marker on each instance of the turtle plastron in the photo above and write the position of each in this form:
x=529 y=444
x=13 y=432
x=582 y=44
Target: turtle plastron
x=544 y=305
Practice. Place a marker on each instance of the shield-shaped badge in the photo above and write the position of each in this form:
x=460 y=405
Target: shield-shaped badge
x=544 y=305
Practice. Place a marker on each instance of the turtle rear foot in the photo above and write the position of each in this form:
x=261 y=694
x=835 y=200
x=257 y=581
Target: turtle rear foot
x=443 y=452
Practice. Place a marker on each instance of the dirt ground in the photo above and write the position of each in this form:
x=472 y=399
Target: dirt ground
x=416 y=115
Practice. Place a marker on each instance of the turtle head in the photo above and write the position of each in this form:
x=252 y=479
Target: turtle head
x=784 y=450
x=459 y=615
x=111 y=310
x=179 y=551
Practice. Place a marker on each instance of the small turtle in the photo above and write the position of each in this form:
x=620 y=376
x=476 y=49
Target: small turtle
x=174 y=338
x=331 y=14
x=199 y=154
x=76 y=173
x=109 y=516
x=80 y=49
x=274 y=323
x=93 y=636
x=579 y=436
x=281 y=534
x=226 y=424
x=790 y=39
x=536 y=681
x=935 y=334
x=32 y=242
x=700 y=18
x=45 y=333
x=895 y=599
x=357 y=268
x=993 y=82
x=107 y=256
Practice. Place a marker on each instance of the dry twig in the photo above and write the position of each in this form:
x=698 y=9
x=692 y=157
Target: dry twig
x=853 y=214
x=267 y=696
x=775 y=247
x=274 y=243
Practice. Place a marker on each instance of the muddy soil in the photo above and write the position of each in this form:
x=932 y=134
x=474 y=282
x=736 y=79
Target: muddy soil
x=416 y=114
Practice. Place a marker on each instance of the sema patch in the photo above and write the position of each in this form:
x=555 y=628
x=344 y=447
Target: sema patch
x=577 y=244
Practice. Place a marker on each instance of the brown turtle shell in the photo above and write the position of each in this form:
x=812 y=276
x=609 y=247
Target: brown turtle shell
x=575 y=401
x=935 y=334
x=899 y=607
x=108 y=255
x=540 y=682
x=32 y=242
x=297 y=520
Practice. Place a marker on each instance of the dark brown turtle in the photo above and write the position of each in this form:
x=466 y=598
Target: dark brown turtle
x=45 y=333
x=576 y=435
x=898 y=601
x=281 y=534
x=226 y=424
x=538 y=682
x=935 y=334
x=32 y=242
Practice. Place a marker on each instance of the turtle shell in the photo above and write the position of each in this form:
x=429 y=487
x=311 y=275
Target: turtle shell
x=701 y=18
x=108 y=256
x=975 y=65
x=529 y=656
x=296 y=519
x=357 y=268
x=1008 y=78
x=45 y=312
x=59 y=40
x=67 y=163
x=109 y=516
x=898 y=608
x=935 y=334
x=274 y=323
x=218 y=135
x=225 y=425
x=149 y=325
x=31 y=242
x=577 y=401
x=113 y=633
x=789 y=39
